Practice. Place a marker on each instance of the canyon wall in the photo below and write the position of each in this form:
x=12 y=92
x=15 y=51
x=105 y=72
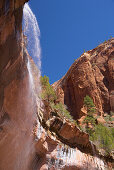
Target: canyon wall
x=92 y=74
x=17 y=105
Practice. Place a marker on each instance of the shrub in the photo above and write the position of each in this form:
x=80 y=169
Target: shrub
x=61 y=109
x=104 y=137
x=108 y=118
x=49 y=95
x=48 y=92
x=111 y=113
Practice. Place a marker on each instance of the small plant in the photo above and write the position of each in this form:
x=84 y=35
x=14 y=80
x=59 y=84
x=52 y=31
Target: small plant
x=109 y=117
x=104 y=137
x=101 y=135
x=48 y=92
x=61 y=109
x=111 y=113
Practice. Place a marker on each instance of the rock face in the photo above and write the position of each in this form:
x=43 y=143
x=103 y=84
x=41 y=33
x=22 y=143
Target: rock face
x=76 y=138
x=16 y=97
x=92 y=74
x=55 y=155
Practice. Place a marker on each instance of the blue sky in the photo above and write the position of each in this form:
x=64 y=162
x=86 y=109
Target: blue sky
x=68 y=27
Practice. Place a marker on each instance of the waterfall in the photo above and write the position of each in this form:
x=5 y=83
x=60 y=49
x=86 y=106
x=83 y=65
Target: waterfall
x=32 y=42
x=32 y=33
x=31 y=38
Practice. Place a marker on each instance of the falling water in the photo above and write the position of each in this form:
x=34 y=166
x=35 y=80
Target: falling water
x=32 y=33
x=31 y=40
x=69 y=157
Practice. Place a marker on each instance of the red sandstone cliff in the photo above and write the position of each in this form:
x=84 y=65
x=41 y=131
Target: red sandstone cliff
x=92 y=74
x=16 y=99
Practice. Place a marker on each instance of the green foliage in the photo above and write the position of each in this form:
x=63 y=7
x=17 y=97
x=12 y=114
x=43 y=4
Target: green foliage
x=112 y=131
x=49 y=95
x=90 y=119
x=111 y=113
x=48 y=92
x=108 y=118
x=104 y=137
x=44 y=80
x=61 y=110
x=88 y=102
x=90 y=123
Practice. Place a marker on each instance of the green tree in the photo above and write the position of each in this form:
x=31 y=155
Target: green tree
x=103 y=137
x=48 y=92
x=89 y=120
x=88 y=102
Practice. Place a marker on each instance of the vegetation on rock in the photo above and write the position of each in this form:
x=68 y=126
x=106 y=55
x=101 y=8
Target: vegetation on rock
x=103 y=137
x=88 y=102
x=89 y=120
x=48 y=94
x=100 y=134
x=61 y=109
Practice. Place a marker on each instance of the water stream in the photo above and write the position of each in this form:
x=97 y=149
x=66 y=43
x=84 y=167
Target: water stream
x=31 y=38
x=32 y=33
x=69 y=157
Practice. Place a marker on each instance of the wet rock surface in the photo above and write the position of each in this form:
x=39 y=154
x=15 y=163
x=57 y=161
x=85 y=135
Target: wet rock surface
x=17 y=106
x=62 y=157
